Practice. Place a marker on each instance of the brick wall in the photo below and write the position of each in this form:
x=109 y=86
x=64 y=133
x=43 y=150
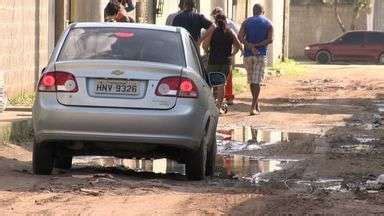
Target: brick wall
x=316 y=23
x=23 y=42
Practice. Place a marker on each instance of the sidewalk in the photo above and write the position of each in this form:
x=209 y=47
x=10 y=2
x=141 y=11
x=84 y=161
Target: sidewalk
x=15 y=126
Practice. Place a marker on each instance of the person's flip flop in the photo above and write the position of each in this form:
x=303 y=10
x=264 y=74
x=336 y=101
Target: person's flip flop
x=254 y=112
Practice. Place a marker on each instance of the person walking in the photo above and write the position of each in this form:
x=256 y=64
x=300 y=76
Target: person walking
x=229 y=95
x=256 y=33
x=223 y=46
x=193 y=22
x=110 y=11
x=172 y=16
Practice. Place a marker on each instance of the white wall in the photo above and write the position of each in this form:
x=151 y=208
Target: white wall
x=87 y=10
x=378 y=18
x=170 y=6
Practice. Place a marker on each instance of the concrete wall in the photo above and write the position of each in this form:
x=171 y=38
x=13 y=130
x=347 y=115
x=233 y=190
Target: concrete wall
x=317 y=23
x=24 y=42
x=146 y=8
x=170 y=6
x=88 y=10
x=376 y=18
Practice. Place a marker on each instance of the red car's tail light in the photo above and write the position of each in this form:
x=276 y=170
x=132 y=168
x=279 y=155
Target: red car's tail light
x=58 y=81
x=188 y=88
x=177 y=87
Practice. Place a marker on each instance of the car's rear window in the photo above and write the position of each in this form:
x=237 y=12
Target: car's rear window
x=123 y=44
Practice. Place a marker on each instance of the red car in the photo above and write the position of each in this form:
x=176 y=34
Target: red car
x=352 y=46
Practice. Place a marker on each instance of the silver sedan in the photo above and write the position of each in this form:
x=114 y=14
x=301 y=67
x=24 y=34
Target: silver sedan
x=125 y=90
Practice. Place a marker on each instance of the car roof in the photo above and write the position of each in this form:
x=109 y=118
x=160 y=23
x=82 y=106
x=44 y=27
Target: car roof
x=361 y=31
x=128 y=25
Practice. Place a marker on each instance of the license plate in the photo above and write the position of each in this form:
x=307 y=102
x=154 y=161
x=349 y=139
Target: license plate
x=117 y=87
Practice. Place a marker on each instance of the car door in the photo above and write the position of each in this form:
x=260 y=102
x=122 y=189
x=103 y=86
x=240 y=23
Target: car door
x=375 y=45
x=350 y=47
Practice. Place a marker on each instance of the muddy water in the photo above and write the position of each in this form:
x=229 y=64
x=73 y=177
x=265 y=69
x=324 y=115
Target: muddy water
x=249 y=138
x=229 y=163
x=161 y=166
x=249 y=168
x=228 y=166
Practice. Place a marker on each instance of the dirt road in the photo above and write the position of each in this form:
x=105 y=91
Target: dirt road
x=312 y=150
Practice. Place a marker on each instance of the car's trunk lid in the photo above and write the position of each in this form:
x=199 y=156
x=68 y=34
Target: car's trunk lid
x=118 y=84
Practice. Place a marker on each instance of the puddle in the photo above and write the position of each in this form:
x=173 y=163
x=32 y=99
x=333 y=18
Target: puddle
x=248 y=138
x=228 y=166
x=381 y=108
x=380 y=105
x=365 y=139
x=161 y=166
x=356 y=148
x=312 y=186
x=250 y=169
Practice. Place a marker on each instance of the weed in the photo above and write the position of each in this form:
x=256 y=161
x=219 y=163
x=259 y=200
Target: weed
x=22 y=99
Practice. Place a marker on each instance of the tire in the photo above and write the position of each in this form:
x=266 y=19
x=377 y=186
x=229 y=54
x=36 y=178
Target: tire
x=196 y=163
x=381 y=59
x=43 y=158
x=323 y=57
x=64 y=163
x=211 y=157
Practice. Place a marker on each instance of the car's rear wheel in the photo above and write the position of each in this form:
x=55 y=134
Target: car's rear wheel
x=381 y=59
x=323 y=57
x=196 y=163
x=43 y=158
x=211 y=157
x=64 y=163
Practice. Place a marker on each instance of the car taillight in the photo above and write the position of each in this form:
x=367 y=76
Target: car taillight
x=58 y=81
x=177 y=86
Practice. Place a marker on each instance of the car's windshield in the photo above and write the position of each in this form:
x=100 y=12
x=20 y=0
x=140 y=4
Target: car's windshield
x=123 y=44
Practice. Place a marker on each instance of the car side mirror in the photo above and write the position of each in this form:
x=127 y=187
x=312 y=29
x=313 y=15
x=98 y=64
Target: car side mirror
x=216 y=79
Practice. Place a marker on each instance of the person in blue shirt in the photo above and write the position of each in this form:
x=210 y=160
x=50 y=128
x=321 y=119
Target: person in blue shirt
x=256 y=33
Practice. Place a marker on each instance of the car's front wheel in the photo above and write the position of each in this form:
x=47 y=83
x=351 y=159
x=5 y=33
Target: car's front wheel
x=381 y=59
x=323 y=57
x=43 y=158
x=196 y=163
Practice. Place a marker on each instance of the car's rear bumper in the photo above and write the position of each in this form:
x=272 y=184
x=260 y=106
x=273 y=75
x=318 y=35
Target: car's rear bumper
x=182 y=126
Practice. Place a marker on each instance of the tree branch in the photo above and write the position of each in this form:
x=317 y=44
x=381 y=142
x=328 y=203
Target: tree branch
x=338 y=18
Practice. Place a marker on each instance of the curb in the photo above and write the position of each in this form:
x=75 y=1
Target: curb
x=19 y=108
x=16 y=131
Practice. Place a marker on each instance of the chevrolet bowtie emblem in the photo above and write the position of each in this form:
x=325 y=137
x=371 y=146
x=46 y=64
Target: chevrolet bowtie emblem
x=117 y=72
